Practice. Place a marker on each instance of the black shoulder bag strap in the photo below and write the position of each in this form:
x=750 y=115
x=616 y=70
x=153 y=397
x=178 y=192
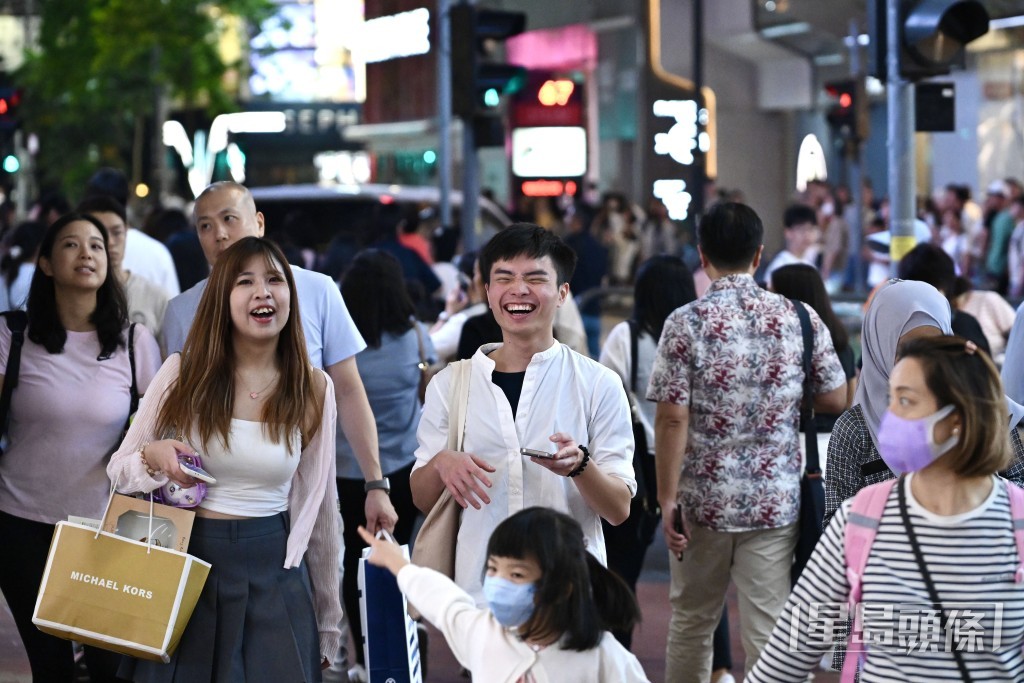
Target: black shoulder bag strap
x=933 y=593
x=807 y=423
x=134 y=406
x=634 y=342
x=643 y=463
x=16 y=321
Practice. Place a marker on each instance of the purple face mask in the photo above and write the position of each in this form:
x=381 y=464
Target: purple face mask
x=909 y=445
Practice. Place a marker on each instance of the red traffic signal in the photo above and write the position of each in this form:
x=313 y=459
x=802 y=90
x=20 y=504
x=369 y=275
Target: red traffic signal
x=10 y=98
x=849 y=115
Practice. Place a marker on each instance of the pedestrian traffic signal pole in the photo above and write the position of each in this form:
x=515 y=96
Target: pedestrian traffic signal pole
x=444 y=111
x=923 y=38
x=902 y=181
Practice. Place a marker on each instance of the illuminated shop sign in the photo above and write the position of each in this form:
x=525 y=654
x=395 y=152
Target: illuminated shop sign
x=399 y=35
x=678 y=131
x=685 y=135
x=548 y=188
x=549 y=152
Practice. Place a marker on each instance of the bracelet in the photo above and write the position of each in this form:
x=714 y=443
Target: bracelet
x=583 y=465
x=142 y=456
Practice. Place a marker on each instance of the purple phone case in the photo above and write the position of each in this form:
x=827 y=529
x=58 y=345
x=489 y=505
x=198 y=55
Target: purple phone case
x=172 y=494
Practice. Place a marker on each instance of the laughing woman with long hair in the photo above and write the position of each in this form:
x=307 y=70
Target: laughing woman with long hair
x=244 y=395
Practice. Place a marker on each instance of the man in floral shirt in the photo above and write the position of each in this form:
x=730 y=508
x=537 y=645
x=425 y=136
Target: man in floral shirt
x=728 y=380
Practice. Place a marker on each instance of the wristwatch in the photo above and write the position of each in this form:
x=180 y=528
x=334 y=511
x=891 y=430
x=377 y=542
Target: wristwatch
x=382 y=484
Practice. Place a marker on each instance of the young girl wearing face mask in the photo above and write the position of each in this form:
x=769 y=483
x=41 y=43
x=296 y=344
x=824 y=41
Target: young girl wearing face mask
x=551 y=605
x=946 y=522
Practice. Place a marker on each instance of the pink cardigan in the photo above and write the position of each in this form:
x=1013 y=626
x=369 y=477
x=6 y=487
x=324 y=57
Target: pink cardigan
x=312 y=502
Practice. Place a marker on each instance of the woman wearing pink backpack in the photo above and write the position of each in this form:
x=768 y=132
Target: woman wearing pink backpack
x=928 y=565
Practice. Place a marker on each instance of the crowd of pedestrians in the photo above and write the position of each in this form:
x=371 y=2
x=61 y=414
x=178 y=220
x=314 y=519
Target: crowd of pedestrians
x=323 y=393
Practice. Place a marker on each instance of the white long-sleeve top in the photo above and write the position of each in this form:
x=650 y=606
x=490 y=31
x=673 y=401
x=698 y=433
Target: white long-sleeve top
x=616 y=354
x=494 y=654
x=312 y=501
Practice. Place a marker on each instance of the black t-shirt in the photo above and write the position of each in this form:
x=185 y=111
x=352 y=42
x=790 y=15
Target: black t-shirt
x=512 y=384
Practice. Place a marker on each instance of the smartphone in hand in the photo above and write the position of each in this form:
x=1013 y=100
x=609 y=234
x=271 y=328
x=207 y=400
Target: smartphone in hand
x=677 y=524
x=532 y=453
x=197 y=472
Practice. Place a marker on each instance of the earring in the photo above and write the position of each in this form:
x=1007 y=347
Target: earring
x=956 y=431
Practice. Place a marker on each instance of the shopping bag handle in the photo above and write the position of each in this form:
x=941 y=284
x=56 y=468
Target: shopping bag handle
x=110 y=500
x=386 y=535
x=106 y=511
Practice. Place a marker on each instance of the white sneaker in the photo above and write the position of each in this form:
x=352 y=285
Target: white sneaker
x=726 y=678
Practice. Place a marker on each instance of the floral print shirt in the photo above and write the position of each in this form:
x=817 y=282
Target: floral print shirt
x=735 y=359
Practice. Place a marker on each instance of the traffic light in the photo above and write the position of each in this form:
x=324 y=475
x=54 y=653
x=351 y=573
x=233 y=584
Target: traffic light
x=849 y=114
x=933 y=34
x=10 y=101
x=479 y=79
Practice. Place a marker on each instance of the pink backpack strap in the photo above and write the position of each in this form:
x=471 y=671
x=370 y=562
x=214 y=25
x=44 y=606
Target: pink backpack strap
x=1016 y=495
x=861 y=528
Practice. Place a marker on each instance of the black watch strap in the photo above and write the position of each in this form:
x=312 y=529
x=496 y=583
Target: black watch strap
x=381 y=484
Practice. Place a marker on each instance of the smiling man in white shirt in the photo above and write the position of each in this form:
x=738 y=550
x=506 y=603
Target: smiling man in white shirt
x=532 y=392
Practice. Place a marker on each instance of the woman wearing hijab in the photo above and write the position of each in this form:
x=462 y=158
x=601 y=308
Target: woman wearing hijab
x=901 y=310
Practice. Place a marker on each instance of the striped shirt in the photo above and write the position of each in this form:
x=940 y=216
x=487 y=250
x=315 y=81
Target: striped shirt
x=972 y=558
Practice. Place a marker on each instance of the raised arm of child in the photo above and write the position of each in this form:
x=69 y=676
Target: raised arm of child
x=383 y=553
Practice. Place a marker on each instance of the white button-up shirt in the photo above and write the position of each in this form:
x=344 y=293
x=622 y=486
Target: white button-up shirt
x=563 y=391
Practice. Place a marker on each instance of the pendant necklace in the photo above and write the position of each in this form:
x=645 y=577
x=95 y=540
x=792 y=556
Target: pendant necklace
x=256 y=394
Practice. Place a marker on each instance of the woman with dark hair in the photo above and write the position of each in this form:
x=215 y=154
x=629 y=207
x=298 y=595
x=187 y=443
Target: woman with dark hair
x=803 y=283
x=375 y=293
x=18 y=265
x=244 y=394
x=72 y=401
x=663 y=284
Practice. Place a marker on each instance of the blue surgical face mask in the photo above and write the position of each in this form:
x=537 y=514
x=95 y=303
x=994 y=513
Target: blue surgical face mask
x=511 y=603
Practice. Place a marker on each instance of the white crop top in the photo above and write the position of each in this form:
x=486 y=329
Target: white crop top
x=254 y=477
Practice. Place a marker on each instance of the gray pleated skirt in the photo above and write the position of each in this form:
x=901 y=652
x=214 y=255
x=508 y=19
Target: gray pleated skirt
x=254 y=620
